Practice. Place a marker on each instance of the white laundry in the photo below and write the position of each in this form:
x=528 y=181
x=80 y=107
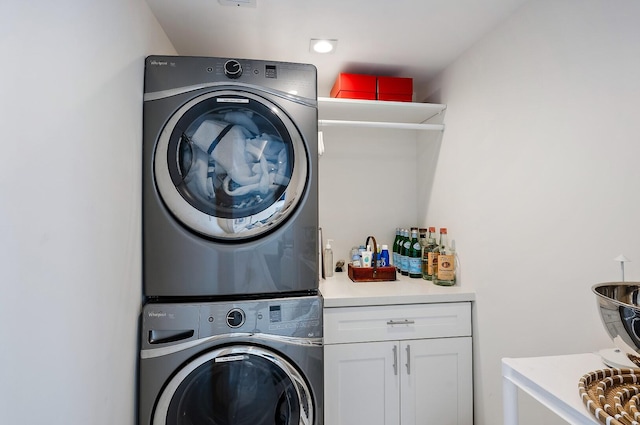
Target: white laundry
x=246 y=164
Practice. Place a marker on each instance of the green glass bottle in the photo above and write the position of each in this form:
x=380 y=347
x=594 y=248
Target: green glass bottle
x=415 y=256
x=396 y=249
x=404 y=253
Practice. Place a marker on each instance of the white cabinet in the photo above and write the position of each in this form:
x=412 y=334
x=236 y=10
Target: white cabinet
x=399 y=365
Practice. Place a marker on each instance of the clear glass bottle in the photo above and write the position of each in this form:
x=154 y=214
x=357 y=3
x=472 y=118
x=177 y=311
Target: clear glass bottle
x=427 y=267
x=446 y=274
x=432 y=270
x=415 y=256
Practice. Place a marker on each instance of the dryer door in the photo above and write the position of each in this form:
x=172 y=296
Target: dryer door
x=236 y=385
x=231 y=165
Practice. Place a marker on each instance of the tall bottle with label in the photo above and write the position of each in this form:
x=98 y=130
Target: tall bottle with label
x=404 y=253
x=423 y=236
x=432 y=271
x=427 y=262
x=396 y=249
x=446 y=274
x=415 y=255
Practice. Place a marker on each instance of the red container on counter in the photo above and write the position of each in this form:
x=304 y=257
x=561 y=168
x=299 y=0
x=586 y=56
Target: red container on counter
x=395 y=89
x=354 y=86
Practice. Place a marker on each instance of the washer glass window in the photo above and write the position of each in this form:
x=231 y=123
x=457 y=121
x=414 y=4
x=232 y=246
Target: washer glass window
x=241 y=385
x=231 y=165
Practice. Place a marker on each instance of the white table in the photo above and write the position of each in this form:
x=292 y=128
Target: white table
x=553 y=381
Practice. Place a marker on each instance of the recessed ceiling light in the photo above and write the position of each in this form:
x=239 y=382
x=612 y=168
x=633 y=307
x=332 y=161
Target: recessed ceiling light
x=322 y=45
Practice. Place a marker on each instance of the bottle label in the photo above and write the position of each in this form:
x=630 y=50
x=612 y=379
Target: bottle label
x=415 y=265
x=446 y=267
x=432 y=263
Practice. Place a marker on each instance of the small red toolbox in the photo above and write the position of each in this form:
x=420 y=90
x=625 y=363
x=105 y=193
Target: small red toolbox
x=395 y=89
x=354 y=86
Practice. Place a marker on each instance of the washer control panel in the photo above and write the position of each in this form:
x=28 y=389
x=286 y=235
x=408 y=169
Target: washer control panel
x=174 y=323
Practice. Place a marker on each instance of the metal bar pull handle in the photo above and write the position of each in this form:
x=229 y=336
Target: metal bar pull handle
x=395 y=360
x=408 y=359
x=400 y=322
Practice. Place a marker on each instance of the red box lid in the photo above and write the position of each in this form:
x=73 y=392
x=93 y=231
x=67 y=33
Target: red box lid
x=395 y=85
x=354 y=83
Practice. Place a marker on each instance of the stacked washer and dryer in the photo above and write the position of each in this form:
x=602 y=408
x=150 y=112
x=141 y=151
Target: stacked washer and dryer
x=231 y=328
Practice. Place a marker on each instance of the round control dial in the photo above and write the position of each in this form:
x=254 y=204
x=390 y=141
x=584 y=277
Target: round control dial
x=232 y=69
x=235 y=318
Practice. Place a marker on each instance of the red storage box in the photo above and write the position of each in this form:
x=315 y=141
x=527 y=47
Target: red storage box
x=395 y=89
x=354 y=86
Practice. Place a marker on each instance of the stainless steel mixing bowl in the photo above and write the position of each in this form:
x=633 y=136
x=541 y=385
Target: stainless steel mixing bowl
x=619 y=306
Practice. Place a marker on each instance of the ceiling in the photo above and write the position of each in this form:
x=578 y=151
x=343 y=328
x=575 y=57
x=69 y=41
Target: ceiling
x=401 y=38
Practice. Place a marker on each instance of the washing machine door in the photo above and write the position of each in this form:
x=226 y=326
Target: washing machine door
x=236 y=385
x=231 y=165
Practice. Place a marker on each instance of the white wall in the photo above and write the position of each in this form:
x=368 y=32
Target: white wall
x=70 y=268
x=538 y=180
x=367 y=186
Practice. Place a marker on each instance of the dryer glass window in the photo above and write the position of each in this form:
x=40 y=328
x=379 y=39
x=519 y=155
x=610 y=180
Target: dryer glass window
x=238 y=389
x=231 y=165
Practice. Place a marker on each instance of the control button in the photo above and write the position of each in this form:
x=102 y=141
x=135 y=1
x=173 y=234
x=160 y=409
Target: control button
x=235 y=318
x=232 y=69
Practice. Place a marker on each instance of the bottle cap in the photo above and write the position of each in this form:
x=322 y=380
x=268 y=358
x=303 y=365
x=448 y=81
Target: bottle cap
x=432 y=229
x=385 y=247
x=443 y=230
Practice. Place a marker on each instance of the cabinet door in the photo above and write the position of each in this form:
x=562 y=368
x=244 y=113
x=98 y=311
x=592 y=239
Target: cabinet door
x=436 y=381
x=362 y=384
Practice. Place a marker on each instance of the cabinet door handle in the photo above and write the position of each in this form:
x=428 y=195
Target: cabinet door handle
x=408 y=359
x=395 y=359
x=401 y=322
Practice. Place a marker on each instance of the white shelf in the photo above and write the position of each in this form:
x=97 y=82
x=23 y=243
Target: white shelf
x=380 y=114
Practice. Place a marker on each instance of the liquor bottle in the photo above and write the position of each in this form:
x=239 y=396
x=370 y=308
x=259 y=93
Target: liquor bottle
x=415 y=255
x=427 y=263
x=404 y=253
x=446 y=274
x=422 y=236
x=396 y=249
x=432 y=267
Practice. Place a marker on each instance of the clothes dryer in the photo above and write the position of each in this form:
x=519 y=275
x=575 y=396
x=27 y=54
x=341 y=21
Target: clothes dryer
x=230 y=188
x=256 y=362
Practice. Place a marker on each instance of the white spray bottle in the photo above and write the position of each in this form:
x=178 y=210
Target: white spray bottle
x=328 y=259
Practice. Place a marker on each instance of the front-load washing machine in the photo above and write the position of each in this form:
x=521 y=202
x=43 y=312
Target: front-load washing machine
x=256 y=362
x=230 y=187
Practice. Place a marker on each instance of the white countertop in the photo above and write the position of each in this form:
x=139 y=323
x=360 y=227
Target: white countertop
x=340 y=291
